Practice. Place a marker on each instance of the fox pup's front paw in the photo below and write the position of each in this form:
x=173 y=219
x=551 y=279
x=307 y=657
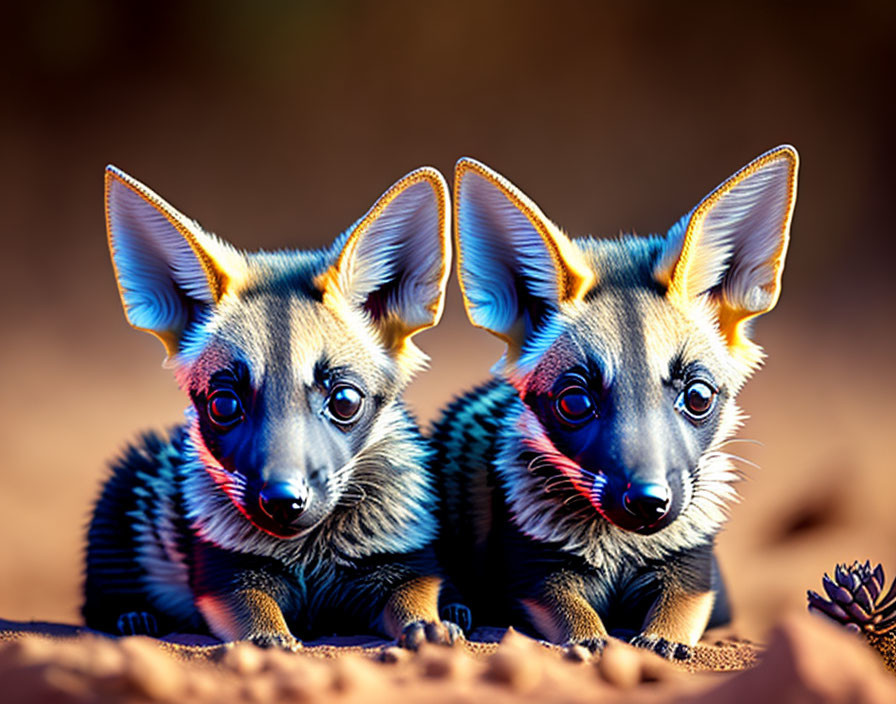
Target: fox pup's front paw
x=663 y=647
x=459 y=614
x=283 y=641
x=439 y=632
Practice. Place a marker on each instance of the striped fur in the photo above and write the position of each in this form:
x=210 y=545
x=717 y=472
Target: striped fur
x=548 y=518
x=186 y=535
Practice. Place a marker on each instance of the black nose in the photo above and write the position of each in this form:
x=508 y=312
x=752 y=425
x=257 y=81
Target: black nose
x=283 y=503
x=649 y=502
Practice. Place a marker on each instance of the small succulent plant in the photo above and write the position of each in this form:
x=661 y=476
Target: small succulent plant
x=855 y=599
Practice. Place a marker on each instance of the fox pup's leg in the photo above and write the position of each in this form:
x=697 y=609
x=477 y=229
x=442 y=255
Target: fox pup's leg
x=681 y=612
x=242 y=597
x=721 y=608
x=452 y=607
x=247 y=614
x=563 y=614
x=402 y=596
x=411 y=614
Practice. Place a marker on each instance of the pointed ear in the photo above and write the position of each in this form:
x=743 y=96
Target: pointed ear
x=169 y=271
x=733 y=244
x=395 y=260
x=515 y=266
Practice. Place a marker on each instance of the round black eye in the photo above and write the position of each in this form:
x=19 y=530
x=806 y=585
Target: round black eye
x=574 y=405
x=344 y=403
x=225 y=409
x=698 y=399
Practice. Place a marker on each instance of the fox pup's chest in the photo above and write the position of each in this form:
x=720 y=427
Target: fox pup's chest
x=525 y=561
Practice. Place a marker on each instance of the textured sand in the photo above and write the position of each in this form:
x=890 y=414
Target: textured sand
x=806 y=660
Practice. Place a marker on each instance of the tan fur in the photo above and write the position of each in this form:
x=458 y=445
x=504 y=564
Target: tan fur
x=339 y=332
x=413 y=601
x=244 y=615
x=563 y=614
x=680 y=616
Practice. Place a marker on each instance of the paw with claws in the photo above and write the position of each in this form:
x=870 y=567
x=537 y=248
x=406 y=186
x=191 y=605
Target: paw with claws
x=661 y=646
x=439 y=632
x=459 y=614
x=282 y=641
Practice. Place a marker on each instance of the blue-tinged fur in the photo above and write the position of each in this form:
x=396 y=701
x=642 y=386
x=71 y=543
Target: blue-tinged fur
x=145 y=554
x=296 y=499
x=583 y=487
x=480 y=543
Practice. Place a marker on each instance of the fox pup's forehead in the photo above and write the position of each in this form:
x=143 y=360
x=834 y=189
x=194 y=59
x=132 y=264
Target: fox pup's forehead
x=285 y=338
x=634 y=333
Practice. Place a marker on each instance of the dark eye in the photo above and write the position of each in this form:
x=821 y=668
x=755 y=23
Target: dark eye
x=344 y=403
x=574 y=405
x=225 y=409
x=697 y=399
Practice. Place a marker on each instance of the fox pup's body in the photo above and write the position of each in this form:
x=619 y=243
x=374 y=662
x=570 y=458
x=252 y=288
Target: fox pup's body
x=159 y=546
x=296 y=499
x=583 y=489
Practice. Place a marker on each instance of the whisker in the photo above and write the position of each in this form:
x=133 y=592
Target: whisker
x=368 y=500
x=356 y=490
x=542 y=461
x=572 y=497
x=360 y=481
x=557 y=483
x=729 y=456
x=338 y=474
x=749 y=441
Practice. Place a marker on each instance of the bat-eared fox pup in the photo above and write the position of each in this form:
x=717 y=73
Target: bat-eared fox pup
x=583 y=487
x=295 y=499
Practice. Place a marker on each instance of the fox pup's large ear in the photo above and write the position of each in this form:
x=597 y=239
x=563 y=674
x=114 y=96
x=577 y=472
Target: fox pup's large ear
x=516 y=267
x=732 y=245
x=395 y=260
x=169 y=271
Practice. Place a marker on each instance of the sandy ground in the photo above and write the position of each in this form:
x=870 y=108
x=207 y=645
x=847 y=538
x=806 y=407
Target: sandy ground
x=806 y=660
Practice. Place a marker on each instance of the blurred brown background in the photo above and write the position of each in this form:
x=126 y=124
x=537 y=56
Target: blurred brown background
x=277 y=124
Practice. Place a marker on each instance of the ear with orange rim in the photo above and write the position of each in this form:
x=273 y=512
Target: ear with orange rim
x=169 y=271
x=395 y=260
x=732 y=246
x=516 y=267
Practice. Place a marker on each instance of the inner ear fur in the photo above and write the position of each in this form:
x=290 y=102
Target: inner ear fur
x=515 y=266
x=167 y=268
x=394 y=262
x=733 y=245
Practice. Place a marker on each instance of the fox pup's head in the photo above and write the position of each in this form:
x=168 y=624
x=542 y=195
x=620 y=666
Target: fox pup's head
x=628 y=353
x=293 y=360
